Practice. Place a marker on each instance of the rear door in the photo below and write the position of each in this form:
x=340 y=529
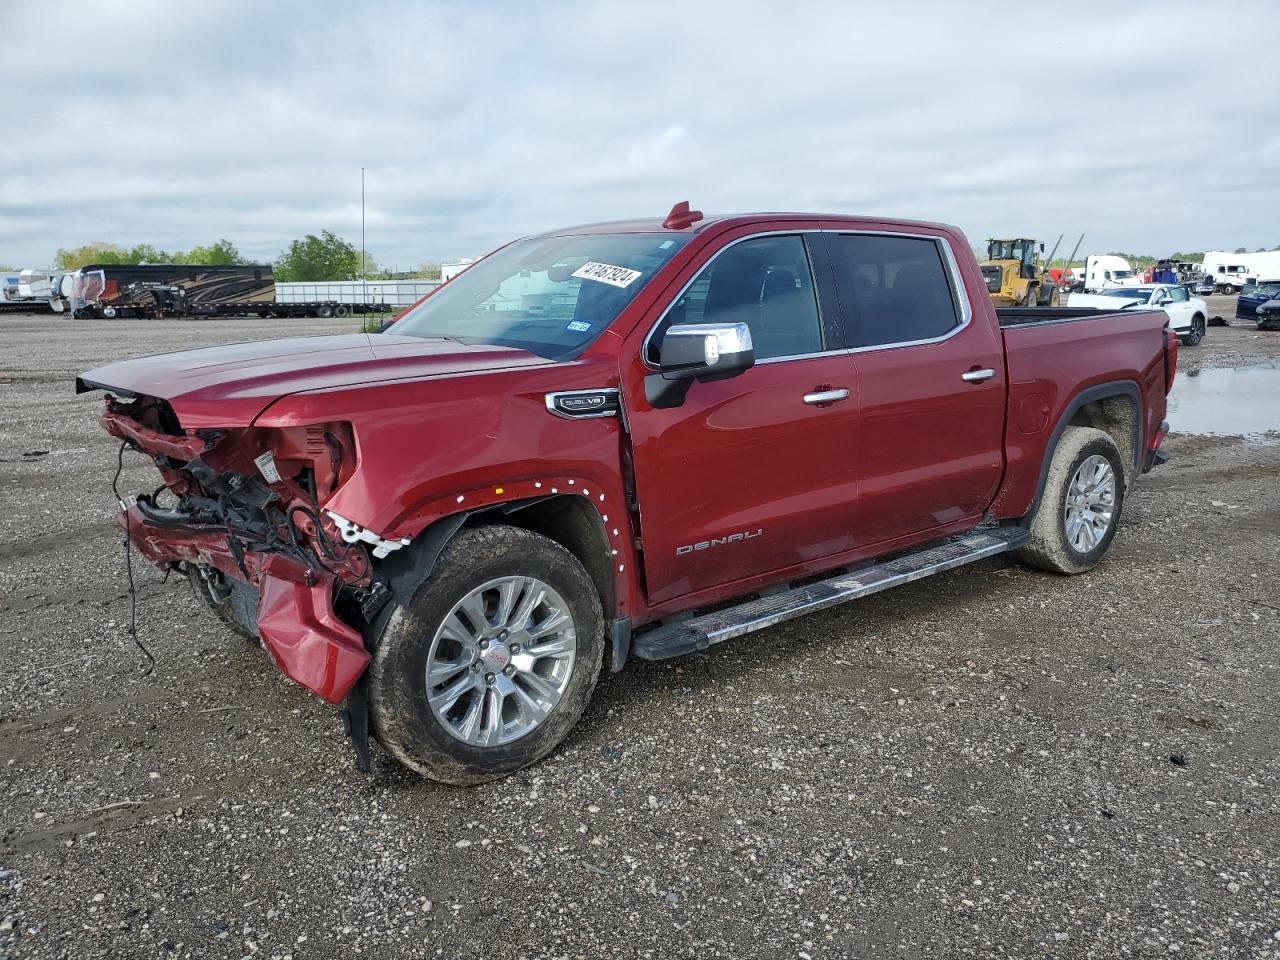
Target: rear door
x=931 y=384
x=754 y=473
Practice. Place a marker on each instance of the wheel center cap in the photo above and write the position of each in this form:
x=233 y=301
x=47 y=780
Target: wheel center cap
x=496 y=657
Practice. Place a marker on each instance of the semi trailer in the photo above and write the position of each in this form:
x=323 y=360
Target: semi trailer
x=114 y=291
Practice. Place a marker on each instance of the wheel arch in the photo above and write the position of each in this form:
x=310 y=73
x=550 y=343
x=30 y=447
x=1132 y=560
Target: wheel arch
x=1114 y=408
x=571 y=520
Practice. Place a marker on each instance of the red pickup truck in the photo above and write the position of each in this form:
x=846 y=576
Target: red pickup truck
x=622 y=440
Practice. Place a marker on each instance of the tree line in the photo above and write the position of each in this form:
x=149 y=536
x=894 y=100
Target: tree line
x=309 y=258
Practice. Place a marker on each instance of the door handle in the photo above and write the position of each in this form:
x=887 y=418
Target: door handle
x=820 y=397
x=977 y=376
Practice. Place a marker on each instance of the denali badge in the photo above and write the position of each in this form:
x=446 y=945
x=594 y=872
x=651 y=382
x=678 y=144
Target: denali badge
x=718 y=541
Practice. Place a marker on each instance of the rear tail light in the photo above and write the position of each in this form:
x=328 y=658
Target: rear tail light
x=1170 y=358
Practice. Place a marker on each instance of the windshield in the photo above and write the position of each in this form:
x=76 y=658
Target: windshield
x=549 y=295
x=1008 y=249
x=1128 y=293
x=1121 y=274
x=1267 y=288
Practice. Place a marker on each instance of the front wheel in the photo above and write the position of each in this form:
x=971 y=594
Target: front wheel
x=1076 y=519
x=491 y=662
x=1196 y=333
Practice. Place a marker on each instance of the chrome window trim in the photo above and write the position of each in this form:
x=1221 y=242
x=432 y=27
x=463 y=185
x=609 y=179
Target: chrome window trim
x=550 y=401
x=959 y=295
x=644 y=345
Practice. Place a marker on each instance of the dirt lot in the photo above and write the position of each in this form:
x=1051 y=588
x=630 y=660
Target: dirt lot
x=994 y=762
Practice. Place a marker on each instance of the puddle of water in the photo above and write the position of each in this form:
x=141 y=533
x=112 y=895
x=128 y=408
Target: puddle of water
x=1231 y=401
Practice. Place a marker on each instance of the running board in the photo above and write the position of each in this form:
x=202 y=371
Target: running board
x=698 y=633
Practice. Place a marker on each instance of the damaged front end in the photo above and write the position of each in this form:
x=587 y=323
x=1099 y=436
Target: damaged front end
x=242 y=510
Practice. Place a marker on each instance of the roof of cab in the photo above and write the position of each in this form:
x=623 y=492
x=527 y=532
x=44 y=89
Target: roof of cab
x=655 y=224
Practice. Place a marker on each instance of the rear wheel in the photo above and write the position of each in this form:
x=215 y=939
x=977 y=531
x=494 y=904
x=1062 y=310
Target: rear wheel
x=1076 y=518
x=491 y=662
x=325 y=312
x=1196 y=333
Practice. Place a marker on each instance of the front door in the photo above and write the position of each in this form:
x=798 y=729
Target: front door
x=931 y=385
x=1179 y=308
x=754 y=473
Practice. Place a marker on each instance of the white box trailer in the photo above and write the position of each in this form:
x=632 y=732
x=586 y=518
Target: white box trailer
x=394 y=293
x=1264 y=265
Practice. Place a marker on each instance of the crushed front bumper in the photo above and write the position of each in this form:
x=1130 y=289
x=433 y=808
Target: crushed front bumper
x=296 y=620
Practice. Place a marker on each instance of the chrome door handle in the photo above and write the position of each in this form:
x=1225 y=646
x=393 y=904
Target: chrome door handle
x=977 y=376
x=826 y=396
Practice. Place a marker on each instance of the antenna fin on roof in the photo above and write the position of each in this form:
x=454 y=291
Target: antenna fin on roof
x=681 y=216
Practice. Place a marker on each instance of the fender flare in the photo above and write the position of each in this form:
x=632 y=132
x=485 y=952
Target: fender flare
x=1100 y=391
x=406 y=570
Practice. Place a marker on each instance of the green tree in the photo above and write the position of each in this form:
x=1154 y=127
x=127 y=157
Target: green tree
x=223 y=253
x=428 y=271
x=96 y=252
x=146 y=253
x=326 y=257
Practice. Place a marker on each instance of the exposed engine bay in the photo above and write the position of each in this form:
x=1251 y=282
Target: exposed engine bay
x=241 y=510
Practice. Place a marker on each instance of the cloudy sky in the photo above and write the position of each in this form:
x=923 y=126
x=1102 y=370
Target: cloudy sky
x=1150 y=130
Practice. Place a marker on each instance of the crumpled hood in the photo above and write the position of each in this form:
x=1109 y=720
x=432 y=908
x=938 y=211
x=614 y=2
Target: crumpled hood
x=228 y=386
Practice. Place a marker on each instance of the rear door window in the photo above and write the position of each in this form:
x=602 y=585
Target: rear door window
x=893 y=290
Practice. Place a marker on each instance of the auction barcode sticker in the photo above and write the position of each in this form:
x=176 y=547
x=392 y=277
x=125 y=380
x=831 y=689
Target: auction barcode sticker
x=607 y=273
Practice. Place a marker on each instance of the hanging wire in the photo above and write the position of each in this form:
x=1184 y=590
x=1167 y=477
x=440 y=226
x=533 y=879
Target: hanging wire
x=128 y=564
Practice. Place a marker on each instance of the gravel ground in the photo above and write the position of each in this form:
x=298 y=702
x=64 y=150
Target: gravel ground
x=990 y=763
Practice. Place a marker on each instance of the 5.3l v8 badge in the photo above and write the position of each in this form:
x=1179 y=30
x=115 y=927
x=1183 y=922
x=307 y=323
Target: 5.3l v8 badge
x=584 y=404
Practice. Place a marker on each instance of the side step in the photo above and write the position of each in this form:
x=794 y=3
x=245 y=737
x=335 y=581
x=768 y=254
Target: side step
x=689 y=636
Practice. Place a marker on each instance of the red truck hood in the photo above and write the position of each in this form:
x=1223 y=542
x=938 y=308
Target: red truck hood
x=228 y=386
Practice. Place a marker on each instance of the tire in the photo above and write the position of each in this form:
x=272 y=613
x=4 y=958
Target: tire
x=216 y=595
x=341 y=310
x=1051 y=546
x=1196 y=333
x=432 y=740
x=1030 y=299
x=325 y=312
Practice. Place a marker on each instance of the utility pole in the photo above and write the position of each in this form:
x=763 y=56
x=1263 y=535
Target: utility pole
x=364 y=270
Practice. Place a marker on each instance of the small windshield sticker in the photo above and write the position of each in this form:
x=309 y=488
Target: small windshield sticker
x=607 y=273
x=578 y=326
x=665 y=244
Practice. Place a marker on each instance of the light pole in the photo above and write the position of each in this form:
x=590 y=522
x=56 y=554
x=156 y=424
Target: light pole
x=364 y=271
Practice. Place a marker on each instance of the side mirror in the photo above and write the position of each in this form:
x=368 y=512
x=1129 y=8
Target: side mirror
x=698 y=351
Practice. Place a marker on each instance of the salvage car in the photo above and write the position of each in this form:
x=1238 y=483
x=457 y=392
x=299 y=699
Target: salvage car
x=626 y=440
x=1187 y=314
x=1253 y=296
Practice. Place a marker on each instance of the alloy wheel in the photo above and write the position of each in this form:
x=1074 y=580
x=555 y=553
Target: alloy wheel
x=500 y=661
x=1090 y=506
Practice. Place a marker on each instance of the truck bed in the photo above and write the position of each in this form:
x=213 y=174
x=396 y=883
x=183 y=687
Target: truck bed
x=1020 y=316
x=1055 y=357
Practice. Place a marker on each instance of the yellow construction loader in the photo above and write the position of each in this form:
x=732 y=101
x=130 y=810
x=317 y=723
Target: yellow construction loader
x=1015 y=276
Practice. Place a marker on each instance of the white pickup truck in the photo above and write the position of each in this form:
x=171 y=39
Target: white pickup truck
x=1187 y=314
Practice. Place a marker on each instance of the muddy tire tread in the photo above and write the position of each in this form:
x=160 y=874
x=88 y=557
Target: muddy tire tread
x=473 y=555
x=1047 y=549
